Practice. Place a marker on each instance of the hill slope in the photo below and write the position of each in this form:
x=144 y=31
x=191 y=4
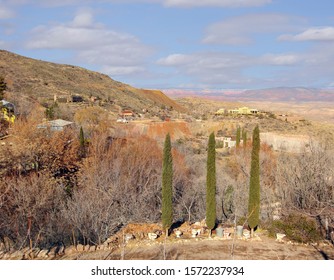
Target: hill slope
x=41 y=80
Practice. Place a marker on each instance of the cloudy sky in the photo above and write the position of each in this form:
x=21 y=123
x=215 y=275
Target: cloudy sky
x=180 y=44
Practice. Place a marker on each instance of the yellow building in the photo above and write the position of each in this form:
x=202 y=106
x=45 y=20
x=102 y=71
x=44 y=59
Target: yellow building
x=220 y=112
x=244 y=111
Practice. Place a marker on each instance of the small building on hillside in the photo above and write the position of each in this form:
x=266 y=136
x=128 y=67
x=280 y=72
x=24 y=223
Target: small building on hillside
x=56 y=125
x=229 y=141
x=233 y=111
x=77 y=98
x=243 y=111
x=127 y=114
x=226 y=141
x=65 y=98
x=220 y=112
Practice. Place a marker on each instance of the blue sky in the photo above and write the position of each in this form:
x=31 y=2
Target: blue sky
x=180 y=44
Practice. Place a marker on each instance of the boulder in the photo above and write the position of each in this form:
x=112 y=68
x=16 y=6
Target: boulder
x=70 y=250
x=17 y=255
x=280 y=236
x=53 y=251
x=128 y=236
x=178 y=233
x=152 y=236
x=246 y=234
x=32 y=254
x=194 y=232
x=92 y=248
x=158 y=232
x=80 y=248
x=43 y=254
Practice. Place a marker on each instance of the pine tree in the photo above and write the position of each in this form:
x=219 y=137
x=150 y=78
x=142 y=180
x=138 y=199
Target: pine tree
x=238 y=137
x=3 y=87
x=211 y=184
x=254 y=184
x=167 y=185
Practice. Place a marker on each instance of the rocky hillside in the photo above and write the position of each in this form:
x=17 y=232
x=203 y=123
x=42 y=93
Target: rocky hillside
x=40 y=81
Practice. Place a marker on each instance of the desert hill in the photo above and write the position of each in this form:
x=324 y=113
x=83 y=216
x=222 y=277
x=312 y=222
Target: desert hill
x=41 y=80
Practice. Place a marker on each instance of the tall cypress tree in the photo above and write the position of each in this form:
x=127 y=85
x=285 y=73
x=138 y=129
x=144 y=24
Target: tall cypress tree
x=254 y=184
x=244 y=137
x=82 y=143
x=211 y=184
x=167 y=185
x=238 y=137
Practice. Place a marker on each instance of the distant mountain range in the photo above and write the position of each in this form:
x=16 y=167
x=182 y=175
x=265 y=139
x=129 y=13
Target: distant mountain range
x=281 y=94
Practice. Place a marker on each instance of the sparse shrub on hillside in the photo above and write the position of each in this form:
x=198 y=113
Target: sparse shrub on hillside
x=3 y=87
x=228 y=206
x=297 y=227
x=52 y=112
x=91 y=118
x=31 y=214
x=272 y=115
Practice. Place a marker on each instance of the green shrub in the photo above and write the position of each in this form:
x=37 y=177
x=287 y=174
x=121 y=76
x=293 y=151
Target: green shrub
x=297 y=227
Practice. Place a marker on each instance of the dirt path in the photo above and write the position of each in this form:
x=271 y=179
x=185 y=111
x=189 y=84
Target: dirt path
x=264 y=248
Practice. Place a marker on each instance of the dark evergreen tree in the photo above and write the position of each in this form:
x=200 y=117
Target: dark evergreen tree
x=3 y=87
x=211 y=184
x=254 y=184
x=82 y=141
x=52 y=112
x=238 y=137
x=244 y=137
x=167 y=185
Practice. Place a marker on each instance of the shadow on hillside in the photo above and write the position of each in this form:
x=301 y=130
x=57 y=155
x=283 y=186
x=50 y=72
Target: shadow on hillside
x=322 y=253
x=176 y=225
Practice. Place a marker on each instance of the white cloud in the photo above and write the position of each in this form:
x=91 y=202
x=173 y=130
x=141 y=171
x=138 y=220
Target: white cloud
x=280 y=59
x=216 y=3
x=175 y=60
x=93 y=43
x=167 y=3
x=240 y=30
x=311 y=34
x=210 y=67
x=3 y=44
x=6 y=13
x=83 y=19
x=122 y=70
x=220 y=69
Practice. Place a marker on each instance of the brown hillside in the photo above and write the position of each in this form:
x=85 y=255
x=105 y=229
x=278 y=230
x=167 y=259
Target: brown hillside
x=40 y=81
